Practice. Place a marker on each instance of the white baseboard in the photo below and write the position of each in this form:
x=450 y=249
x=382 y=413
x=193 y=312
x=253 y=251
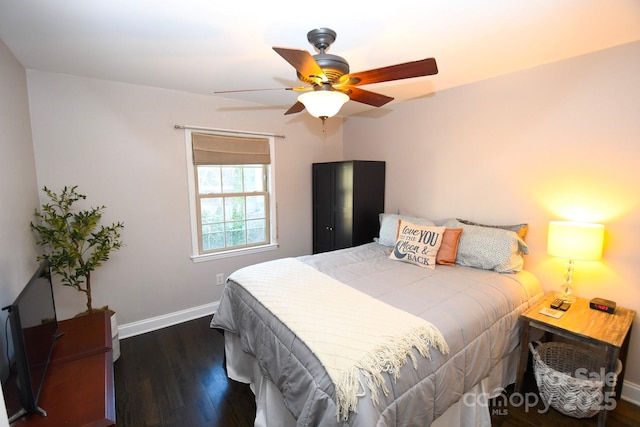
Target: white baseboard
x=147 y=325
x=631 y=392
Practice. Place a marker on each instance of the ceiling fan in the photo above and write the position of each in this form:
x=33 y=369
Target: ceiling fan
x=329 y=81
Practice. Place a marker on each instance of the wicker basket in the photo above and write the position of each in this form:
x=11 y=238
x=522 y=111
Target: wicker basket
x=556 y=366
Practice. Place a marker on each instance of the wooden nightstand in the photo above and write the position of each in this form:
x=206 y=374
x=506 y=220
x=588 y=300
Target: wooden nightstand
x=581 y=323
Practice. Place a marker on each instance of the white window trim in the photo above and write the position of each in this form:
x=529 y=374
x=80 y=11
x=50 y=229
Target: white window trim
x=191 y=183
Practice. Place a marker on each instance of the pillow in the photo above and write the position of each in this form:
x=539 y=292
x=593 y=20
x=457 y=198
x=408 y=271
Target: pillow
x=389 y=227
x=520 y=229
x=489 y=248
x=449 y=247
x=417 y=244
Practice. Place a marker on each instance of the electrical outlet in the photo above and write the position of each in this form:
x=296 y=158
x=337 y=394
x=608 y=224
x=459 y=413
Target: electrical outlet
x=220 y=279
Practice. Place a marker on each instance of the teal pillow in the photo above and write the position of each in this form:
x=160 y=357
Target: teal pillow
x=389 y=227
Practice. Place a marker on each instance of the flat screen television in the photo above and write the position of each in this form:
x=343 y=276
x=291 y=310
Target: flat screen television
x=34 y=329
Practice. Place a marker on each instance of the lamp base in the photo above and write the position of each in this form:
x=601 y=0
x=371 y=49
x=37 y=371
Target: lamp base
x=570 y=298
x=566 y=293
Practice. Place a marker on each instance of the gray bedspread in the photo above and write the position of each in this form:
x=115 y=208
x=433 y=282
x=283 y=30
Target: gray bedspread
x=477 y=311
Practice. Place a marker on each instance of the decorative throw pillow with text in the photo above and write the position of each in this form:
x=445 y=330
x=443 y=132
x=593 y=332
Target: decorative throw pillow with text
x=417 y=244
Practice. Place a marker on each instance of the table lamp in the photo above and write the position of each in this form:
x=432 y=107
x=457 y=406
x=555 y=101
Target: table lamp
x=574 y=241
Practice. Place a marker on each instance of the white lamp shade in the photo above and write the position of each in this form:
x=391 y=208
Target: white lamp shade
x=323 y=103
x=575 y=240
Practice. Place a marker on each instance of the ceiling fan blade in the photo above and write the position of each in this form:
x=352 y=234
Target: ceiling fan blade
x=423 y=67
x=303 y=62
x=295 y=108
x=255 y=90
x=367 y=97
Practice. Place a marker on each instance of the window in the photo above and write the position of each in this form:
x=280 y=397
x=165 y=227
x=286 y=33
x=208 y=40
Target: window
x=231 y=193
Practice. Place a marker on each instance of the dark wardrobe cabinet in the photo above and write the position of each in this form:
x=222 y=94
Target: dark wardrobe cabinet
x=347 y=200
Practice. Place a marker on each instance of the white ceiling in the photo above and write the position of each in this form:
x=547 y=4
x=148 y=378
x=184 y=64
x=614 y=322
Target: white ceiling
x=204 y=46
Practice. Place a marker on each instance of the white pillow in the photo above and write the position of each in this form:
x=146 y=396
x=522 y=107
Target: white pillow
x=389 y=227
x=417 y=244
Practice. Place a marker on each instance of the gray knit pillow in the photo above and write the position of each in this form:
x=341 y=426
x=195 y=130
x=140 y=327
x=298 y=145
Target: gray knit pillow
x=489 y=248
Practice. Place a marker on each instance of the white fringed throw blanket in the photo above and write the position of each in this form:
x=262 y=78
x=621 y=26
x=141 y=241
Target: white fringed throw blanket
x=348 y=331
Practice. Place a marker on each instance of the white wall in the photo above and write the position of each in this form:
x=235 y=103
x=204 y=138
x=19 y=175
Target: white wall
x=18 y=191
x=118 y=143
x=560 y=141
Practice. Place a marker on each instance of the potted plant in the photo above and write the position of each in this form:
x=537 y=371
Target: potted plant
x=75 y=242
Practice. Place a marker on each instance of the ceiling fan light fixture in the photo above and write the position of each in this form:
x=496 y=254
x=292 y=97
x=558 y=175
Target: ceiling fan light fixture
x=330 y=80
x=323 y=103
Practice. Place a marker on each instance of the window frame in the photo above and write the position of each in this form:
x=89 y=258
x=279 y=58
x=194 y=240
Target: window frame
x=194 y=213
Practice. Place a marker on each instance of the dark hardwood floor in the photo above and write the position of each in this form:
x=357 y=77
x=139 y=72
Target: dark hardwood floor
x=174 y=377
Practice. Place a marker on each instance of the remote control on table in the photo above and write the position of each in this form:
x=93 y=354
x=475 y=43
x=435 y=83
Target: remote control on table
x=551 y=313
x=564 y=306
x=556 y=303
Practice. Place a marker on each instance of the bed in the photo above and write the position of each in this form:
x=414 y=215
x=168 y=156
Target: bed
x=291 y=369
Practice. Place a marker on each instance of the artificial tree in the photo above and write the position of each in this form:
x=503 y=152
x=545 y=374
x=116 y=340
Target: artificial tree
x=76 y=243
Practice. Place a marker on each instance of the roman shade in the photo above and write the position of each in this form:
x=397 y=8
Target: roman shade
x=209 y=149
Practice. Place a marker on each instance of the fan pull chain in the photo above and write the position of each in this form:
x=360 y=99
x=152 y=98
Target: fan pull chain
x=324 y=129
